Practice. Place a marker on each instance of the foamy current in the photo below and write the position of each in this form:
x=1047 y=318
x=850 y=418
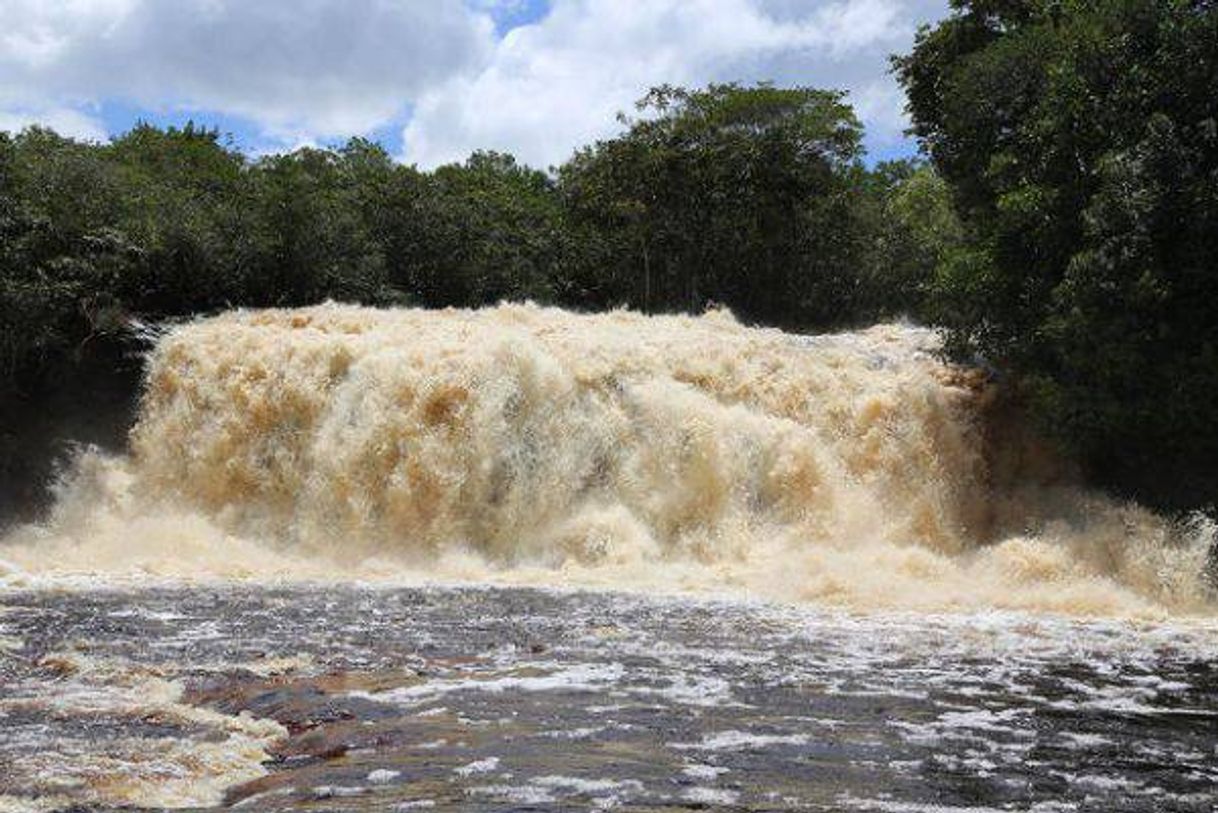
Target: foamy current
x=527 y=445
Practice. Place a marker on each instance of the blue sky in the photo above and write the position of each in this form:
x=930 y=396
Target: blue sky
x=431 y=79
x=511 y=15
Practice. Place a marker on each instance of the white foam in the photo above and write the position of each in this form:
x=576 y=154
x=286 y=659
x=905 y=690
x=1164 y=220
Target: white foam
x=700 y=771
x=742 y=741
x=478 y=766
x=710 y=796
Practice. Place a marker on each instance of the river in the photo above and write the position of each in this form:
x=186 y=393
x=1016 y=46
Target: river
x=327 y=698
x=519 y=558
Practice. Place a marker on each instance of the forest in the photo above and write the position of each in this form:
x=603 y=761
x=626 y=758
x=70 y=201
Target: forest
x=1060 y=224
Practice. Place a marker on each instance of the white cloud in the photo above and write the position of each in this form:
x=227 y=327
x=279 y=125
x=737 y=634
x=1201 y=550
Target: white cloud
x=299 y=68
x=556 y=84
x=63 y=120
x=305 y=71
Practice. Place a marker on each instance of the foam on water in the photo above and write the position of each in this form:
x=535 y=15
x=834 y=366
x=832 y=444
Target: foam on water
x=527 y=445
x=482 y=697
x=168 y=771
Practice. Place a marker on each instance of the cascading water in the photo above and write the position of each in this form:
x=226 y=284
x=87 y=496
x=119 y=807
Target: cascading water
x=531 y=445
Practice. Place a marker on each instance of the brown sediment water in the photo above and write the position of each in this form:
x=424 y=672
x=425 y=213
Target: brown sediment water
x=358 y=698
x=532 y=446
x=344 y=567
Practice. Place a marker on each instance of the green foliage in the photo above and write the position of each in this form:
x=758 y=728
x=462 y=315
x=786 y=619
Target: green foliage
x=1080 y=144
x=310 y=240
x=914 y=230
x=485 y=230
x=178 y=198
x=744 y=196
x=62 y=264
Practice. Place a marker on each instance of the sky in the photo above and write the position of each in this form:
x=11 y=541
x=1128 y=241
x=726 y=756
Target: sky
x=432 y=80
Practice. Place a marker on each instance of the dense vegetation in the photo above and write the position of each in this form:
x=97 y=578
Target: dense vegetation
x=1080 y=142
x=751 y=197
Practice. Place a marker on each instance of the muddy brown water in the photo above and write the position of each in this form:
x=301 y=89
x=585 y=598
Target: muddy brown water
x=326 y=698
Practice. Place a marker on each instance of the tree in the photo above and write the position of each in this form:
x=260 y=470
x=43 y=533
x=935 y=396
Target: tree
x=479 y=232
x=308 y=237
x=62 y=261
x=180 y=198
x=740 y=195
x=913 y=230
x=1080 y=144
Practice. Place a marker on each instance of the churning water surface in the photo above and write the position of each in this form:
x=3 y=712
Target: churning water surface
x=506 y=698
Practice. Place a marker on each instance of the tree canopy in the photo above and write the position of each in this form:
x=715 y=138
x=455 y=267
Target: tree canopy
x=745 y=196
x=1080 y=143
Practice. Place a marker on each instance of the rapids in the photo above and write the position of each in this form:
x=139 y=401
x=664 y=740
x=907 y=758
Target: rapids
x=532 y=446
